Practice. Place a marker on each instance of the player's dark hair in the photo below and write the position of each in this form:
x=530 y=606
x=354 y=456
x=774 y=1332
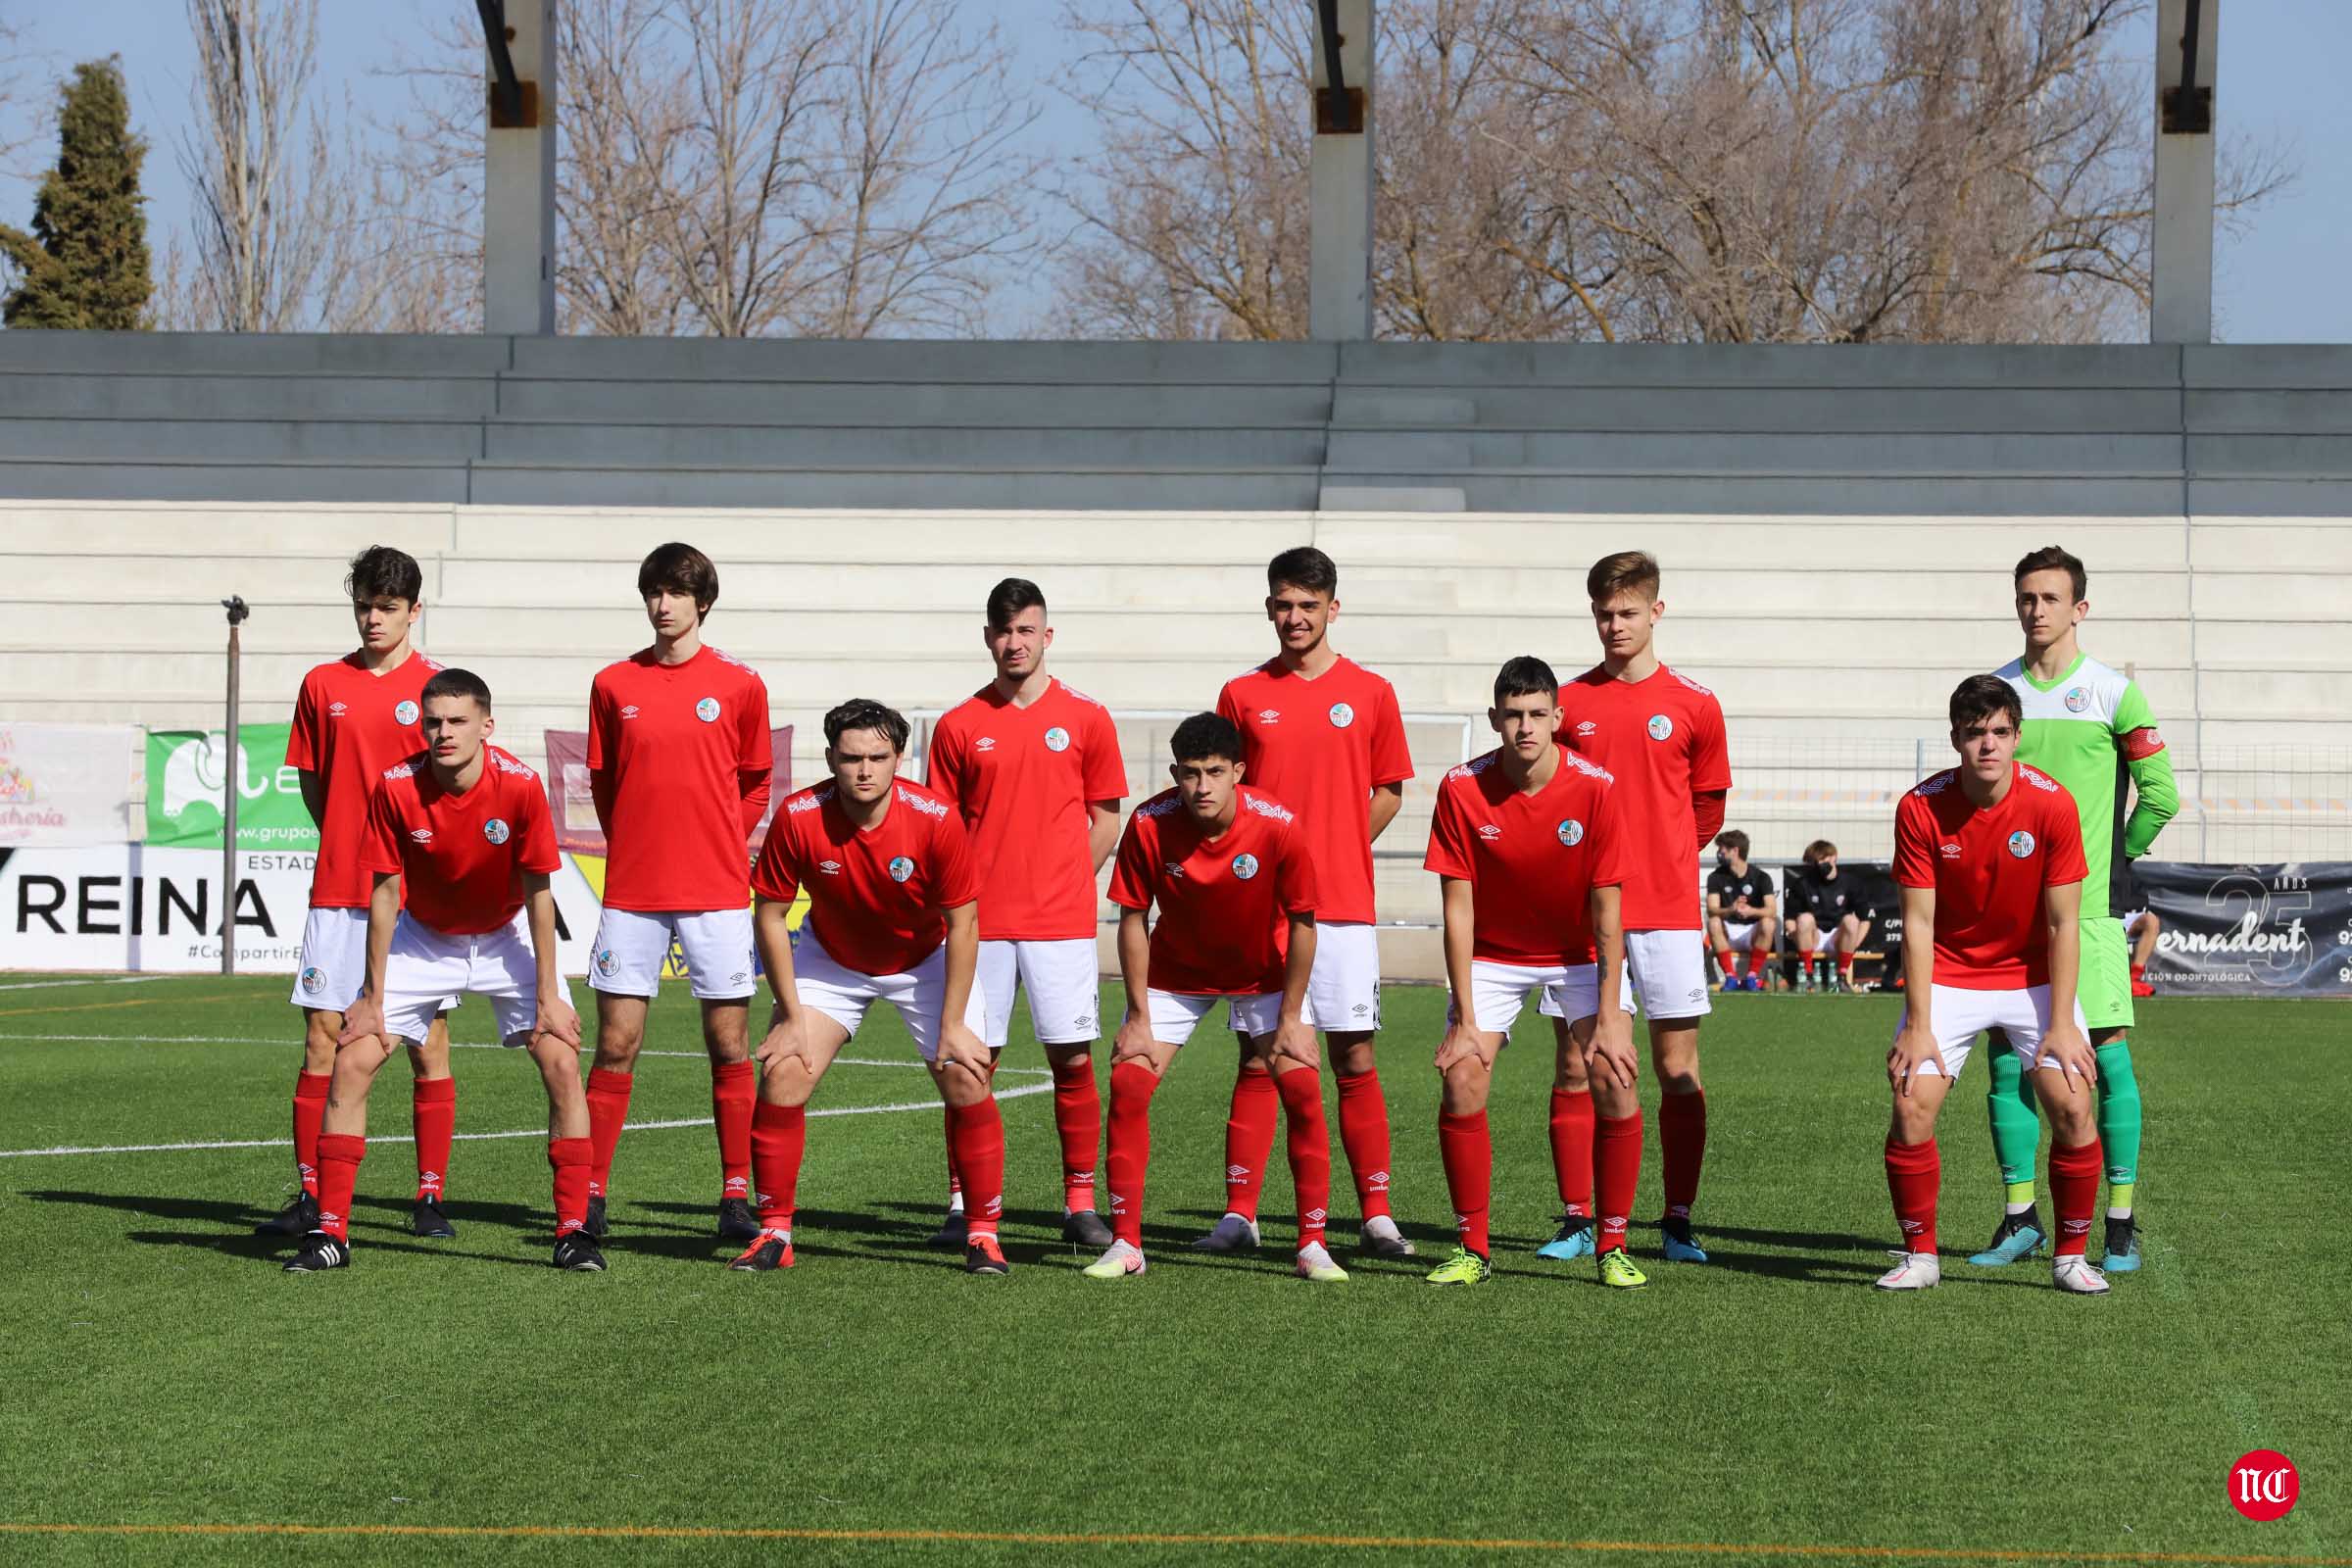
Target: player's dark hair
x=380 y=572
x=1819 y=851
x=1982 y=697
x=456 y=683
x=1303 y=567
x=1207 y=735
x=863 y=712
x=1010 y=597
x=2054 y=557
x=683 y=569
x=1636 y=571
x=1525 y=676
x=1730 y=838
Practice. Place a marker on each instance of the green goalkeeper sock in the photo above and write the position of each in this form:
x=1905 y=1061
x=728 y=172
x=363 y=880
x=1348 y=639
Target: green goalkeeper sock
x=2016 y=1127
x=2118 y=1122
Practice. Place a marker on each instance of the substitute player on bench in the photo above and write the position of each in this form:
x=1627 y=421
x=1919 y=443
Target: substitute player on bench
x=1033 y=767
x=1324 y=737
x=892 y=917
x=1234 y=880
x=460 y=848
x=354 y=718
x=1989 y=859
x=1742 y=914
x=1530 y=860
x=679 y=766
x=2088 y=727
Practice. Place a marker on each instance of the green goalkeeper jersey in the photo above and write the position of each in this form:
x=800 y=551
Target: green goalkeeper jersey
x=2090 y=730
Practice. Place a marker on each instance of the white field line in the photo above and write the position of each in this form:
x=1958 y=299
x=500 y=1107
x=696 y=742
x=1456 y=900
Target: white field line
x=525 y=1131
x=113 y=980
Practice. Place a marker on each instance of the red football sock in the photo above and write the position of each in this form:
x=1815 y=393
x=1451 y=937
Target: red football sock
x=1078 y=1119
x=1846 y=966
x=1914 y=1174
x=1249 y=1141
x=310 y=1110
x=734 y=1086
x=1727 y=961
x=608 y=1113
x=2074 y=1193
x=1468 y=1150
x=1682 y=1148
x=433 y=1102
x=570 y=1157
x=1572 y=1148
x=1309 y=1147
x=339 y=1156
x=978 y=1132
x=1364 y=1136
x=1129 y=1159
x=947 y=1131
x=2139 y=972
x=1619 y=1142
x=779 y=1137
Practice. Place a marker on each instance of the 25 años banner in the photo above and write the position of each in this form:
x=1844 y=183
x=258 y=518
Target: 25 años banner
x=2251 y=930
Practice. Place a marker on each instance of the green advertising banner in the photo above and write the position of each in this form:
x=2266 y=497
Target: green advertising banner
x=184 y=770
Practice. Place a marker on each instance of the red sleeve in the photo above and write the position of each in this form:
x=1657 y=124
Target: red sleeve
x=1710 y=753
x=537 y=833
x=303 y=739
x=1296 y=887
x=1914 y=843
x=1608 y=847
x=959 y=880
x=1106 y=771
x=776 y=874
x=1708 y=807
x=756 y=762
x=1392 y=760
x=379 y=847
x=942 y=768
x=600 y=776
x=1131 y=873
x=2062 y=858
x=1450 y=838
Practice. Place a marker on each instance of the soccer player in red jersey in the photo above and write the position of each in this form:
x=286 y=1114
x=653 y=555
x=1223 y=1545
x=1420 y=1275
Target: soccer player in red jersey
x=1989 y=859
x=893 y=916
x=1660 y=735
x=1530 y=859
x=679 y=764
x=1033 y=767
x=459 y=846
x=1234 y=876
x=354 y=718
x=1323 y=736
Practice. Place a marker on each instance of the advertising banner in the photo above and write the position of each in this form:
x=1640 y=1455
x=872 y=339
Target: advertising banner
x=2250 y=930
x=184 y=771
x=68 y=784
x=573 y=808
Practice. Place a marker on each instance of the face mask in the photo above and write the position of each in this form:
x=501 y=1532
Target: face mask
x=1723 y=861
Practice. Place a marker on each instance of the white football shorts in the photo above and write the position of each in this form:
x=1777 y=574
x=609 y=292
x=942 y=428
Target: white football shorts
x=631 y=946
x=1176 y=1014
x=1958 y=1014
x=1667 y=973
x=1342 y=991
x=1498 y=991
x=1065 y=989
x=843 y=994
x=428 y=969
x=334 y=961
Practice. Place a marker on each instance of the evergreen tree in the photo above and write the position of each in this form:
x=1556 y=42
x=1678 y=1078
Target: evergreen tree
x=84 y=264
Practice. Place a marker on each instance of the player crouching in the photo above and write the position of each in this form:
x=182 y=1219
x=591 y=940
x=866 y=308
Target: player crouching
x=463 y=828
x=893 y=916
x=1989 y=859
x=1236 y=888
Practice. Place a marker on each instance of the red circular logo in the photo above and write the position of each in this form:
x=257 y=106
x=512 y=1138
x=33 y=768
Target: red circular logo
x=2264 y=1485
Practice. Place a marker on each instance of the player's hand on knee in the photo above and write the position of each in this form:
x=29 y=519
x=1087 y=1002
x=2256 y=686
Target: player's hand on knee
x=786 y=1041
x=1133 y=1040
x=1913 y=1050
x=1464 y=1041
x=557 y=1018
x=2064 y=1044
x=1295 y=1041
x=958 y=1047
x=1609 y=1053
x=364 y=1017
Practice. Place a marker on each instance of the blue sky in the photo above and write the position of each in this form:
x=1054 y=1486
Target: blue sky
x=2279 y=282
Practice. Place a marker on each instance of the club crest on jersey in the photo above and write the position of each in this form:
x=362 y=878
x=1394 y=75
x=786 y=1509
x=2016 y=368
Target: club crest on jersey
x=1572 y=832
x=2078 y=700
x=314 y=981
x=1244 y=866
x=1057 y=739
x=494 y=830
x=901 y=868
x=1661 y=728
x=405 y=713
x=606 y=964
x=1341 y=715
x=2021 y=844
x=707 y=709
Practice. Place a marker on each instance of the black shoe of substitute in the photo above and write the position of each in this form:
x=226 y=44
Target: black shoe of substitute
x=575 y=1251
x=596 y=1227
x=736 y=1221
x=1083 y=1227
x=297 y=1218
x=319 y=1253
x=428 y=1220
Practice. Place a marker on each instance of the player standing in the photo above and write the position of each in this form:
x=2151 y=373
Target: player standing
x=1826 y=917
x=892 y=917
x=1234 y=879
x=1660 y=736
x=679 y=764
x=1989 y=859
x=354 y=718
x=460 y=848
x=1742 y=914
x=1034 y=768
x=1325 y=737
x=1530 y=859
x=2088 y=727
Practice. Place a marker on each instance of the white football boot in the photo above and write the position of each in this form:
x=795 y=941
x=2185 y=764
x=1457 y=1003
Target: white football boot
x=1918 y=1271
x=2072 y=1272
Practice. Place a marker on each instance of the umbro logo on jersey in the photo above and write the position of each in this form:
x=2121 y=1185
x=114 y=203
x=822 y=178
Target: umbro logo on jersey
x=628 y=710
x=1488 y=831
x=829 y=867
x=1584 y=726
x=1269 y=716
x=422 y=835
x=986 y=742
x=405 y=713
x=337 y=710
x=1951 y=852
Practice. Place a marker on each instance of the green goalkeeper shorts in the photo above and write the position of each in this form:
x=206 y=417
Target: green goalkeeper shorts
x=2105 y=985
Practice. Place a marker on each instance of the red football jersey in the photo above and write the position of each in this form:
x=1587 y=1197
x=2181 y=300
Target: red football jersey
x=350 y=724
x=683 y=754
x=875 y=896
x=1989 y=869
x=1661 y=739
x=1224 y=907
x=460 y=857
x=1322 y=747
x=1534 y=860
x=1022 y=778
